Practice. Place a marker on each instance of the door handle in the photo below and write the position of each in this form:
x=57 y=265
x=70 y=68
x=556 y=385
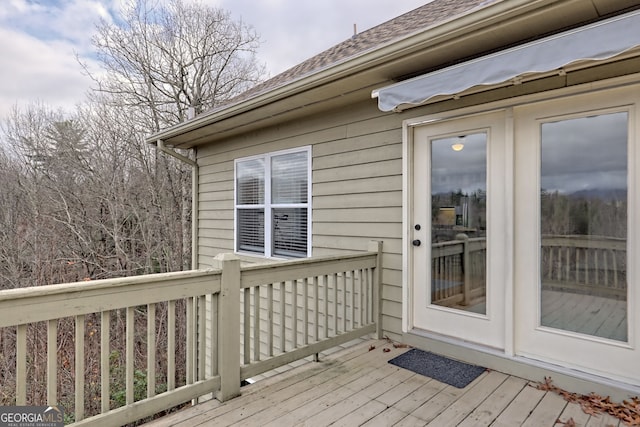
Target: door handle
x=416 y=242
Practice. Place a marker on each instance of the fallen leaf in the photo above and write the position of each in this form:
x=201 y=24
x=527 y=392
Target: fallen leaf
x=593 y=404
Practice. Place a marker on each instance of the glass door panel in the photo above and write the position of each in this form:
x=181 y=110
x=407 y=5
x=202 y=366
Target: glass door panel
x=576 y=219
x=583 y=222
x=459 y=222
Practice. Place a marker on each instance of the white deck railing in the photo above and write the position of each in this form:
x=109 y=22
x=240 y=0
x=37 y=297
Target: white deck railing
x=596 y=265
x=592 y=265
x=179 y=336
x=458 y=271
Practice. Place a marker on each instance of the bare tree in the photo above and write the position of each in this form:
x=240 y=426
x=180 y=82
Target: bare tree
x=160 y=64
x=82 y=195
x=166 y=59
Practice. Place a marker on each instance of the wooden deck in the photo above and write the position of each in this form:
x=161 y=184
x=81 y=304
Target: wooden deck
x=586 y=314
x=356 y=386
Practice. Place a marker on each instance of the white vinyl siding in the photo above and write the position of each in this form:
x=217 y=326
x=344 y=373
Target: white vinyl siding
x=273 y=204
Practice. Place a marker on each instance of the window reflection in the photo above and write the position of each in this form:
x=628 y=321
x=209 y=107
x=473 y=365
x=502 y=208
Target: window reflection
x=583 y=202
x=458 y=222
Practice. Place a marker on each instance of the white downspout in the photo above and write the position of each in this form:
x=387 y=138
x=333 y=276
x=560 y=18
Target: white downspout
x=195 y=199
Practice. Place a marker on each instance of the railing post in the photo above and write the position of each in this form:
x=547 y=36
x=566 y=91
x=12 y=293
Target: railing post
x=466 y=268
x=376 y=246
x=229 y=328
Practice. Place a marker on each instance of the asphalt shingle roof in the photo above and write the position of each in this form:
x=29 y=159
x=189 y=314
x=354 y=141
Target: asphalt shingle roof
x=429 y=15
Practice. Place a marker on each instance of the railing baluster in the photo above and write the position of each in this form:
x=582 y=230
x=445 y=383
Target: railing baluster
x=294 y=316
x=191 y=333
x=344 y=301
x=447 y=274
x=247 y=326
x=201 y=338
x=335 y=303
x=577 y=265
x=370 y=296
x=450 y=274
x=596 y=259
x=105 y=353
x=305 y=311
x=614 y=261
x=283 y=325
x=79 y=380
x=151 y=350
x=52 y=362
x=270 y=319
x=316 y=305
x=353 y=299
x=363 y=308
x=171 y=345
x=557 y=268
x=256 y=323
x=214 y=334
x=605 y=259
x=129 y=357
x=21 y=365
x=325 y=283
x=586 y=266
x=568 y=264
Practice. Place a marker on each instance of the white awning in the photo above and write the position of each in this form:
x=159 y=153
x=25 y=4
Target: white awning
x=598 y=41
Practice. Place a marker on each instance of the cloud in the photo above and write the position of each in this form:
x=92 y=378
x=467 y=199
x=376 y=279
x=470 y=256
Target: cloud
x=585 y=153
x=39 y=61
x=36 y=70
x=293 y=31
x=42 y=37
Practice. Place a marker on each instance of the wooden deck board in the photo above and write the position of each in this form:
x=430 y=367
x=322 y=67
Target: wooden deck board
x=547 y=412
x=388 y=417
x=423 y=394
x=519 y=409
x=359 y=387
x=573 y=412
x=587 y=314
x=603 y=420
x=438 y=403
x=476 y=394
x=487 y=412
x=405 y=389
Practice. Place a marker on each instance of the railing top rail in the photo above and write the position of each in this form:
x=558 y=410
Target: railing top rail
x=312 y=260
x=459 y=241
x=94 y=285
x=579 y=241
x=253 y=275
x=21 y=306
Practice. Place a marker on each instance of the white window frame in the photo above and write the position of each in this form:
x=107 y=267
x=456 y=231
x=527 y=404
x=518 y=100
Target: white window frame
x=268 y=206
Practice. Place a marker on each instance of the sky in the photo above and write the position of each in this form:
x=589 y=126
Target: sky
x=41 y=40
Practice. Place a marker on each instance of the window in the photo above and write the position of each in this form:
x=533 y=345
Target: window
x=273 y=201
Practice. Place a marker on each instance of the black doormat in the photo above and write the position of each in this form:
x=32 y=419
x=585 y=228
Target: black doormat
x=443 y=369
